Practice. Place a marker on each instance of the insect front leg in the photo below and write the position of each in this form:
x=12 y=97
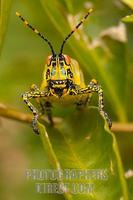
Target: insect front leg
x=36 y=93
x=40 y=102
x=95 y=87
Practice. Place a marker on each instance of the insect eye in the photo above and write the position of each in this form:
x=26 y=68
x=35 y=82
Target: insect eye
x=53 y=64
x=67 y=59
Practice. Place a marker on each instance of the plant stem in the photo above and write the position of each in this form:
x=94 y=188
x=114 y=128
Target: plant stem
x=11 y=113
x=14 y=114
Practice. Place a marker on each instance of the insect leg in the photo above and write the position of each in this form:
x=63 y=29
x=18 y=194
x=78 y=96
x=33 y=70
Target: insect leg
x=26 y=97
x=95 y=87
x=81 y=104
x=48 y=110
x=40 y=102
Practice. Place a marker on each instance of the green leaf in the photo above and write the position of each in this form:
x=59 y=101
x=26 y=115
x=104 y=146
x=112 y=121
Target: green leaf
x=115 y=59
x=69 y=5
x=128 y=18
x=83 y=141
x=4 y=15
x=130 y=186
x=50 y=152
x=90 y=59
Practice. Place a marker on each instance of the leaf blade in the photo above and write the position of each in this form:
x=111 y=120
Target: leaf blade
x=5 y=6
x=128 y=19
x=73 y=143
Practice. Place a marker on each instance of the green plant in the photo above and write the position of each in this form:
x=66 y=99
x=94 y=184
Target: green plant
x=88 y=144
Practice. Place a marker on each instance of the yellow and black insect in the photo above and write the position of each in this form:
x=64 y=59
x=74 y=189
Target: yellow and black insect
x=63 y=82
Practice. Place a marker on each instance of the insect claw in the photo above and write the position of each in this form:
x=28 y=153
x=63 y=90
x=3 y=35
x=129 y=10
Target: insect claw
x=34 y=125
x=36 y=130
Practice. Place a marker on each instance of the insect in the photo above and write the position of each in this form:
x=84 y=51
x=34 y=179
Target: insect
x=63 y=82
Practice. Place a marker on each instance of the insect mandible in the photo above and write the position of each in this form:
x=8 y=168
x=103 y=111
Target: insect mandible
x=63 y=82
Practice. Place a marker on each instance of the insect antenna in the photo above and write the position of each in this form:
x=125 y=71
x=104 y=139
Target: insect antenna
x=76 y=27
x=36 y=31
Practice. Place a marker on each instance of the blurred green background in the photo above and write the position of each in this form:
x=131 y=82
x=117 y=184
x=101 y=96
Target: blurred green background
x=103 y=52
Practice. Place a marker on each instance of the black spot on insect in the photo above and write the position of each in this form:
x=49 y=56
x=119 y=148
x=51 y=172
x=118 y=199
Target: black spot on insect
x=47 y=73
x=61 y=64
x=61 y=57
x=71 y=93
x=59 y=91
x=53 y=64
x=69 y=73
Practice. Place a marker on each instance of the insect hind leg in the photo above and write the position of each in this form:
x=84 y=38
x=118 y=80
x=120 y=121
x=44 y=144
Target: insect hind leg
x=48 y=109
x=81 y=104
